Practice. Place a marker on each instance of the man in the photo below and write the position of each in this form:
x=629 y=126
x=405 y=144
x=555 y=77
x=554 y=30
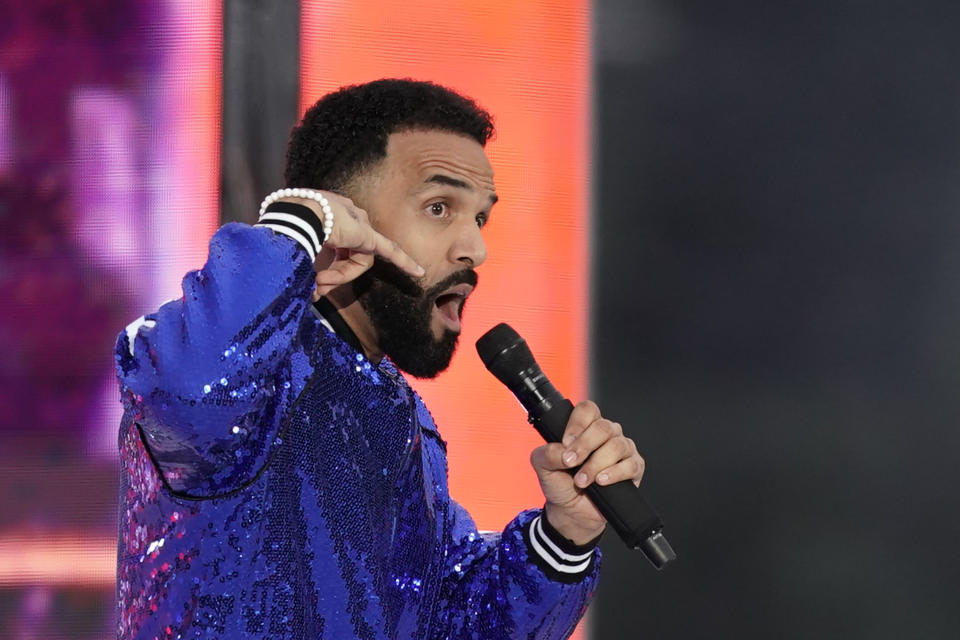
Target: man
x=281 y=479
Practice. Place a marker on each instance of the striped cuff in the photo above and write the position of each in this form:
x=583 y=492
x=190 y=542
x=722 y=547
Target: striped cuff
x=296 y=221
x=559 y=558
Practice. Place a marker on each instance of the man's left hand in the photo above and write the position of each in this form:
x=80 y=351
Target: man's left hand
x=610 y=457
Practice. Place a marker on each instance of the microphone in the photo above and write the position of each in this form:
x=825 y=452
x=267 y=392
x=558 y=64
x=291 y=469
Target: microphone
x=507 y=356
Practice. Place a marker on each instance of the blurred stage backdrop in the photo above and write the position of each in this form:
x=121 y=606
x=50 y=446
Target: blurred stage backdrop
x=130 y=130
x=733 y=225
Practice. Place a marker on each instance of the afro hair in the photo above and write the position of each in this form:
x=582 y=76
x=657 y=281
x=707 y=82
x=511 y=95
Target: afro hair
x=346 y=131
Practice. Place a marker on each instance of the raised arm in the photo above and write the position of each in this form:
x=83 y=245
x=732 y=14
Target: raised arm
x=208 y=378
x=204 y=376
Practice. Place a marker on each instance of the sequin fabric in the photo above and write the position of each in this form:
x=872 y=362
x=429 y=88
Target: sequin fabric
x=275 y=484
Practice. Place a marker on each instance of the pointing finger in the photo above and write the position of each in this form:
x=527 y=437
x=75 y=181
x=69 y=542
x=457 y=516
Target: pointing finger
x=390 y=250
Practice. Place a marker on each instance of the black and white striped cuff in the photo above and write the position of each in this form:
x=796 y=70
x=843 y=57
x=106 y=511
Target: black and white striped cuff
x=559 y=558
x=295 y=221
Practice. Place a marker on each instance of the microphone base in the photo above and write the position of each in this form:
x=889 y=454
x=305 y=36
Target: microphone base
x=658 y=550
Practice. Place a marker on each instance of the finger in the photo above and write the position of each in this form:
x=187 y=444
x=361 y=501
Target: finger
x=598 y=432
x=390 y=250
x=606 y=456
x=631 y=468
x=583 y=414
x=355 y=232
x=330 y=256
x=344 y=268
x=548 y=458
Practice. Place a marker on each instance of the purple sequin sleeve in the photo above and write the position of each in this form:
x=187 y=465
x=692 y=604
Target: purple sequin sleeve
x=208 y=377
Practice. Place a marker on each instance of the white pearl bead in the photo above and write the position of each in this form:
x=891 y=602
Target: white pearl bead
x=299 y=192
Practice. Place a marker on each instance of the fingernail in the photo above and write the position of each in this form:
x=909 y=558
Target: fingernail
x=569 y=457
x=421 y=270
x=602 y=478
x=581 y=479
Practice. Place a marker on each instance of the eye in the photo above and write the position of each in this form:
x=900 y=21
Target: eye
x=438 y=209
x=481 y=220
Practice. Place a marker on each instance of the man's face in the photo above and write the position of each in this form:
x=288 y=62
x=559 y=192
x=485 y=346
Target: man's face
x=431 y=194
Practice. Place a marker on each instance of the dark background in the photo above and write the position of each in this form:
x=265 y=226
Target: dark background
x=776 y=304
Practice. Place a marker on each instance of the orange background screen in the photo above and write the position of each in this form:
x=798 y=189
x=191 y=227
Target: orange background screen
x=528 y=64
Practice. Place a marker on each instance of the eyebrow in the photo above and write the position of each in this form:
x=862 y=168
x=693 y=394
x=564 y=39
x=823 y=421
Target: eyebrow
x=439 y=178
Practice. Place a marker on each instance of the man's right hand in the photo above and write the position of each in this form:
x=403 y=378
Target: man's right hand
x=352 y=244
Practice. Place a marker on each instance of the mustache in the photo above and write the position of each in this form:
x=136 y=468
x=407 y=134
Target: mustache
x=464 y=276
x=392 y=275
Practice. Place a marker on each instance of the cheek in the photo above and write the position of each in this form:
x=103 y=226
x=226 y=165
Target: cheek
x=428 y=255
x=420 y=239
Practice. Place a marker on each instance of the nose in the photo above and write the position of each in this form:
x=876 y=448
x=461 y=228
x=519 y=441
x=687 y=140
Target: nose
x=468 y=247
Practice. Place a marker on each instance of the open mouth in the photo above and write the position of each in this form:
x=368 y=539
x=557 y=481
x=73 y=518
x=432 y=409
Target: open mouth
x=450 y=305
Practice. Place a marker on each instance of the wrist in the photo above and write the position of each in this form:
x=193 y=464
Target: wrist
x=559 y=558
x=575 y=530
x=315 y=201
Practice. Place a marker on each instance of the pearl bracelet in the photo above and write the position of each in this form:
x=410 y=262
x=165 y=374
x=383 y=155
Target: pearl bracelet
x=310 y=194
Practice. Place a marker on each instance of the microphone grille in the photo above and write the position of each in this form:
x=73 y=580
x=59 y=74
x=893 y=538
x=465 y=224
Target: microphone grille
x=506 y=355
x=496 y=341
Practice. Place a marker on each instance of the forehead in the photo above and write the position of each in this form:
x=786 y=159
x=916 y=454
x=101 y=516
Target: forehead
x=418 y=154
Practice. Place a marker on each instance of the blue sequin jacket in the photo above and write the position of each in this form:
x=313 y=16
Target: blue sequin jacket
x=277 y=484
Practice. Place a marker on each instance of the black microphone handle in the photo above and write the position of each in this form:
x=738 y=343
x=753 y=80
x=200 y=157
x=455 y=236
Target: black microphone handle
x=621 y=503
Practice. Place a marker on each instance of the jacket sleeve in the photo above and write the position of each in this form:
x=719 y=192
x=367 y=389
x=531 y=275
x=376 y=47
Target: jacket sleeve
x=207 y=378
x=526 y=582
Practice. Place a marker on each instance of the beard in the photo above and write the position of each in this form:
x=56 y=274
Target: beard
x=400 y=310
